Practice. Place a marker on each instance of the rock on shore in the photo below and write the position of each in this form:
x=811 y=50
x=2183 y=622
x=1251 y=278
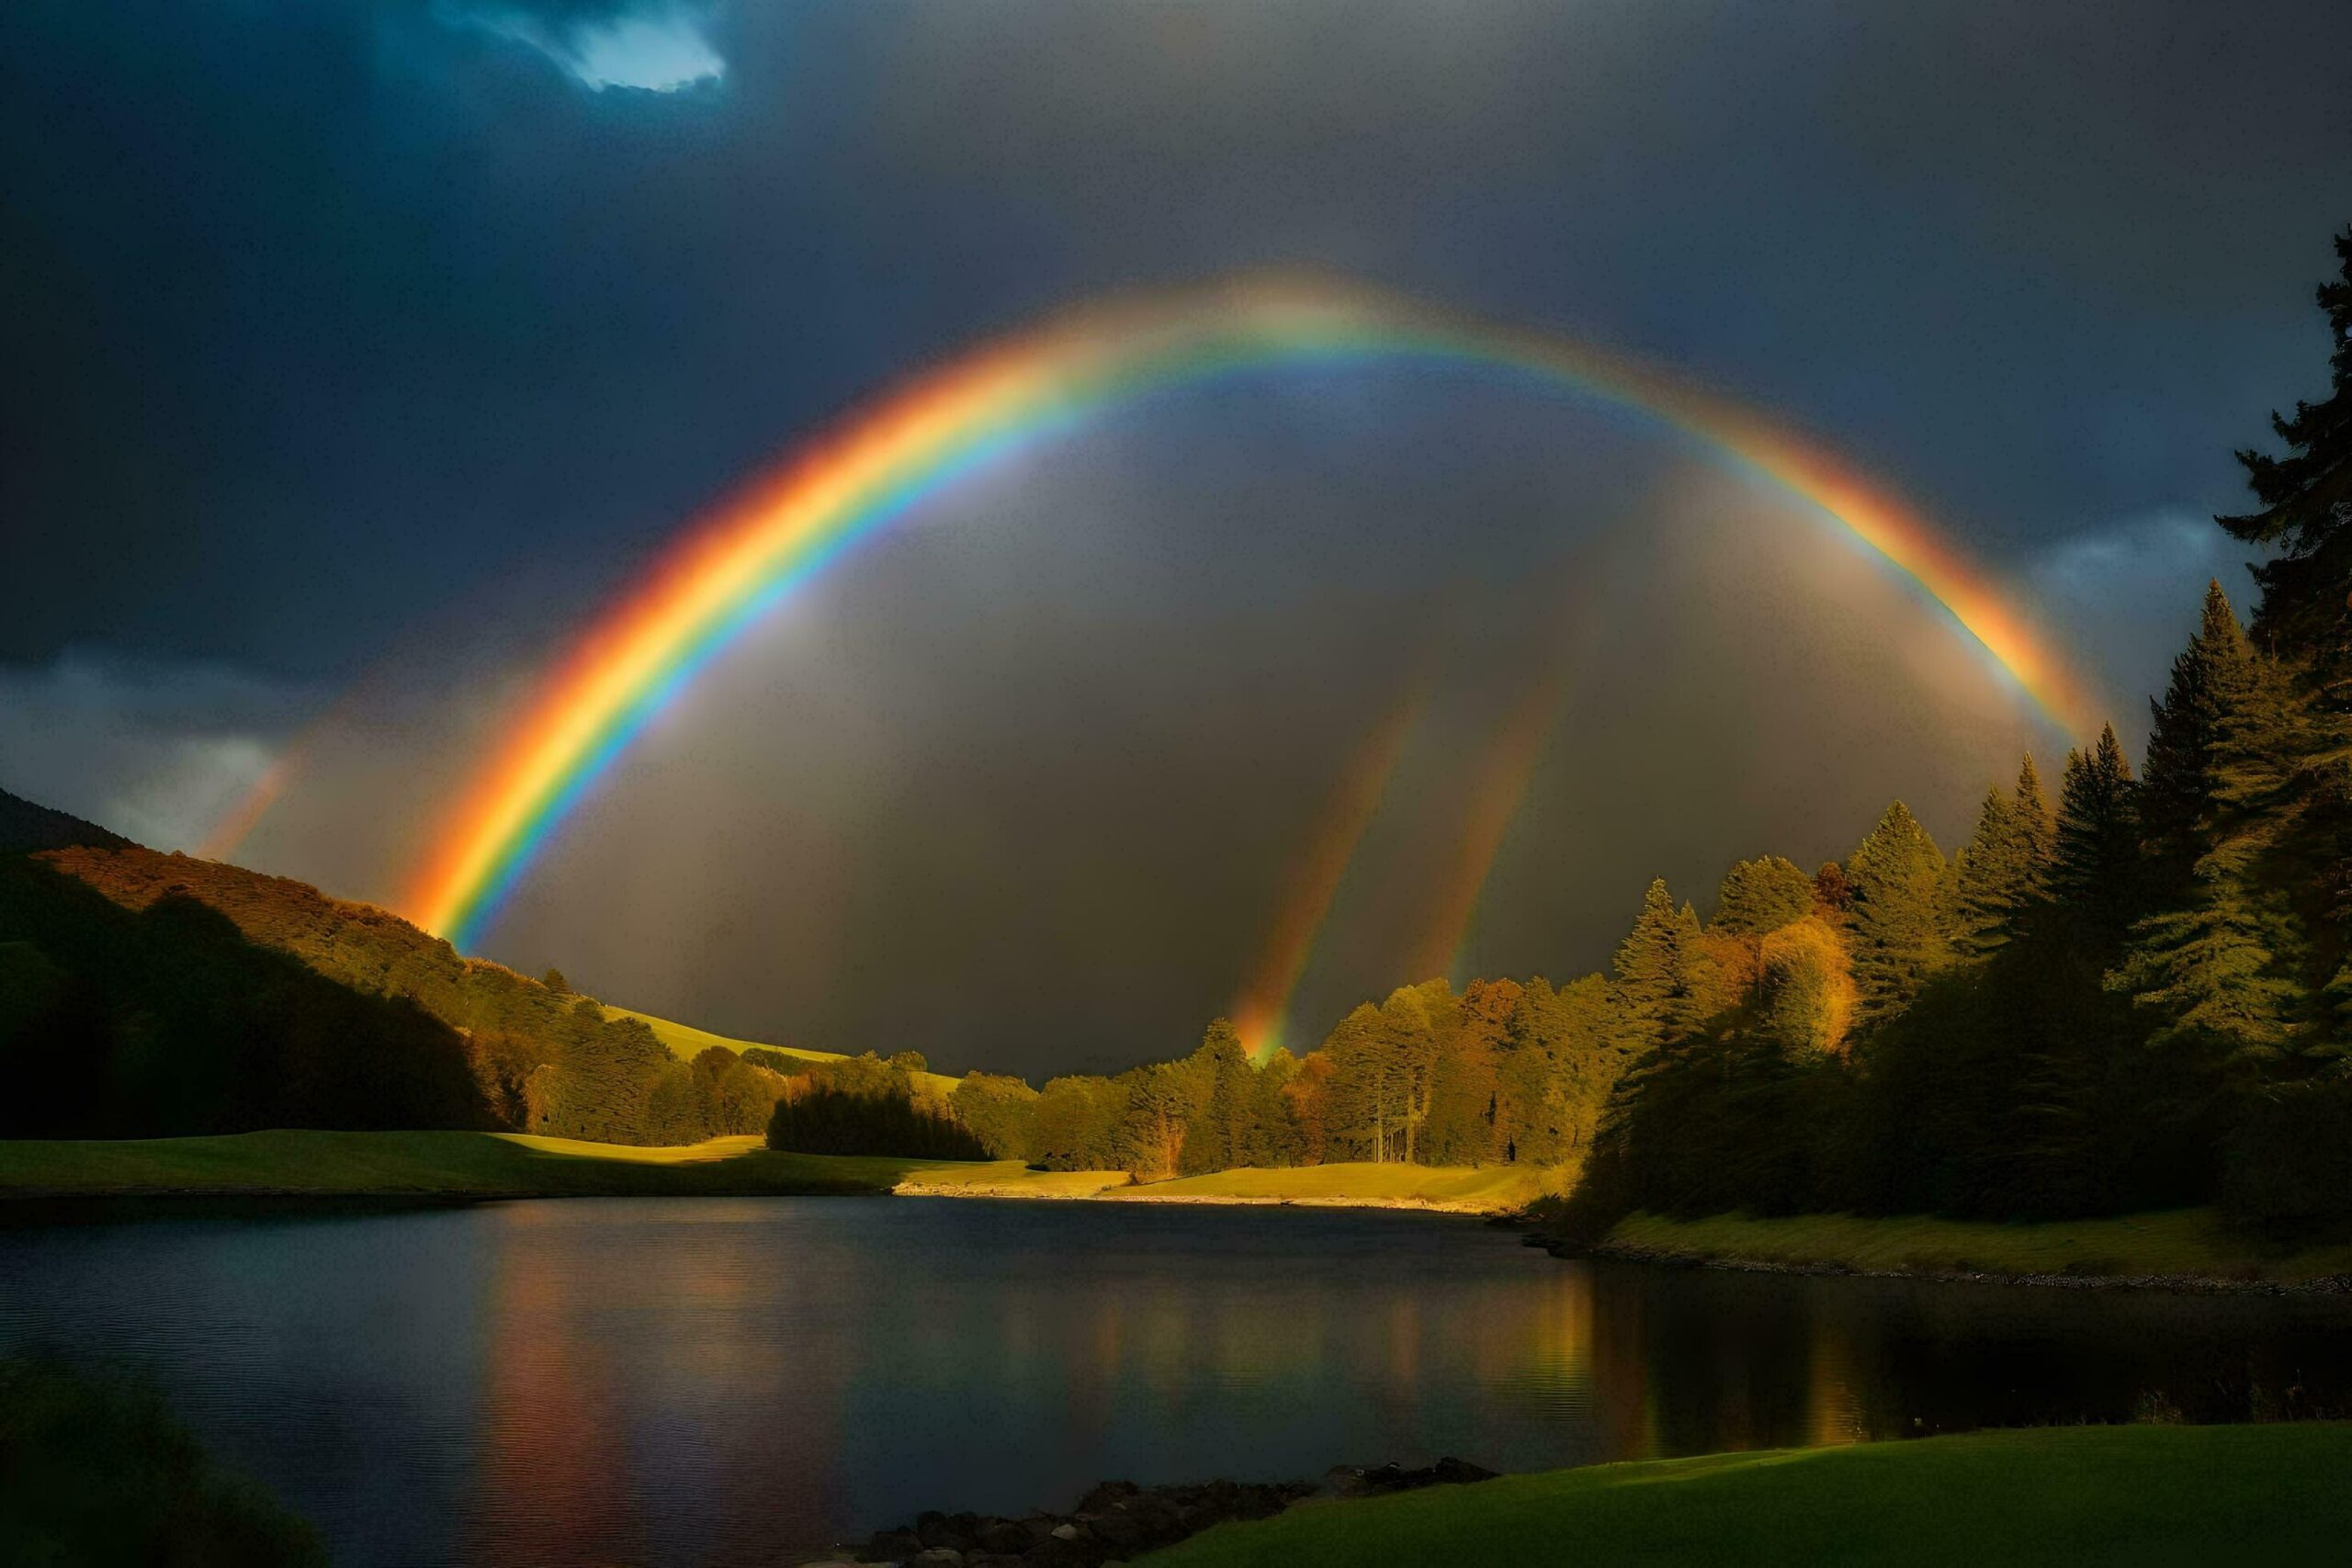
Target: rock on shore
x=1118 y=1520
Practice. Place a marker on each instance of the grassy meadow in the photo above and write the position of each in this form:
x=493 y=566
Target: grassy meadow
x=685 y=1043
x=1471 y=1188
x=2177 y=1243
x=1464 y=1189
x=2075 y=1494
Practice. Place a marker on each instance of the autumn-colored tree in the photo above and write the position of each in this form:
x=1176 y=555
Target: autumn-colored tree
x=1307 y=1101
x=1762 y=895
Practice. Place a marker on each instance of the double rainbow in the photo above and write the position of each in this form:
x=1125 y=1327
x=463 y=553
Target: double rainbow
x=911 y=443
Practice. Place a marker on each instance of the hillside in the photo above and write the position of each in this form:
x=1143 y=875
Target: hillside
x=26 y=825
x=145 y=994
x=686 y=1042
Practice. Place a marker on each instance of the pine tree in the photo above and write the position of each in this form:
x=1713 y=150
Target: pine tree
x=1898 y=876
x=2185 y=727
x=1992 y=872
x=2004 y=871
x=1646 y=967
x=2306 y=513
x=1700 y=989
x=1224 y=1132
x=2220 y=963
x=2304 y=622
x=1762 y=895
x=2037 y=833
x=2095 y=863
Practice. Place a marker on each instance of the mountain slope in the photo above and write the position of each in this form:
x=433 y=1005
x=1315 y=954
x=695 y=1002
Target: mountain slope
x=26 y=825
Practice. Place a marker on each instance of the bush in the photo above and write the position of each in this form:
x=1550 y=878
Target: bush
x=831 y=1119
x=93 y=1470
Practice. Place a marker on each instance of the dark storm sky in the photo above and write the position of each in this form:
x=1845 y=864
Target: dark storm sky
x=350 y=353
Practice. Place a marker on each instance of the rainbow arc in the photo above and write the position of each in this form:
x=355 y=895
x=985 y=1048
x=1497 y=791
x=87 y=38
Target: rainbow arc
x=884 y=458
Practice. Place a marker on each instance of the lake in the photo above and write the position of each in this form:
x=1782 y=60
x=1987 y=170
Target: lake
x=743 y=1381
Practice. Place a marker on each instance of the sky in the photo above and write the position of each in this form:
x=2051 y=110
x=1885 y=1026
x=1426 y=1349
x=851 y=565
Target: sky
x=353 y=355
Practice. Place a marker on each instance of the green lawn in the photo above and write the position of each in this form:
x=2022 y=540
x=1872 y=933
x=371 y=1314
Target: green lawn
x=1464 y=1188
x=1483 y=1189
x=685 y=1043
x=2177 y=1242
x=457 y=1164
x=2072 y=1495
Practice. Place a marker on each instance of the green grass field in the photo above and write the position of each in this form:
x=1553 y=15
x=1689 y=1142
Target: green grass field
x=2178 y=1242
x=1487 y=1190
x=439 y=1165
x=488 y=1164
x=2072 y=1495
x=685 y=1043
x=1461 y=1188
x=1006 y=1179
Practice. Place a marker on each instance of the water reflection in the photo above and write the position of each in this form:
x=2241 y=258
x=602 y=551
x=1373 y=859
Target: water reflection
x=726 y=1381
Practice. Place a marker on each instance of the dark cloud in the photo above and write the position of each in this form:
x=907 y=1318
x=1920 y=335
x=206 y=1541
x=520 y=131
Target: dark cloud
x=331 y=328
x=161 y=751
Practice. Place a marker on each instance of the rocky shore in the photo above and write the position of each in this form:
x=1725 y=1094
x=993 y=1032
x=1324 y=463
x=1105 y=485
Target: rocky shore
x=1118 y=1520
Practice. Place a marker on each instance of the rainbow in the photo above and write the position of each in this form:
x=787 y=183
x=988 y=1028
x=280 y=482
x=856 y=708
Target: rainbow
x=1499 y=785
x=1261 y=1013
x=940 y=427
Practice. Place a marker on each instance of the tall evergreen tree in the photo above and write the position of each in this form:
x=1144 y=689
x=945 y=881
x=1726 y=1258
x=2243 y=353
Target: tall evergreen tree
x=2306 y=513
x=2220 y=963
x=2037 y=832
x=1899 y=912
x=2095 y=861
x=1646 y=966
x=1762 y=895
x=1225 y=1130
x=2185 y=727
x=1992 y=872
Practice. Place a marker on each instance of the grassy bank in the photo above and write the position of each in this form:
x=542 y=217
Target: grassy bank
x=2059 y=1496
x=1468 y=1189
x=1458 y=1189
x=429 y=1164
x=514 y=1165
x=685 y=1043
x=2178 y=1244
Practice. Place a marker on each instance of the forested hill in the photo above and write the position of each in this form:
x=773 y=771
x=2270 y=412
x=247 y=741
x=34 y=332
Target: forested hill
x=145 y=994
x=26 y=825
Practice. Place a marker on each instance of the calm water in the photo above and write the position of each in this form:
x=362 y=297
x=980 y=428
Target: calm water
x=732 y=1381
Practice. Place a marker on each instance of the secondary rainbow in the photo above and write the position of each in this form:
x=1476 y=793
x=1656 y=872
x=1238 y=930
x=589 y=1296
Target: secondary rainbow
x=910 y=443
x=1262 y=1011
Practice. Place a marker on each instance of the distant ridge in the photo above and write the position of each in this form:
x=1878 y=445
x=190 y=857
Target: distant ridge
x=27 y=827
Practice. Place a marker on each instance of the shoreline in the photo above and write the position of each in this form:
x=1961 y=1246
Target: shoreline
x=2176 y=1284
x=1015 y=1193
x=1488 y=1192
x=2181 y=1251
